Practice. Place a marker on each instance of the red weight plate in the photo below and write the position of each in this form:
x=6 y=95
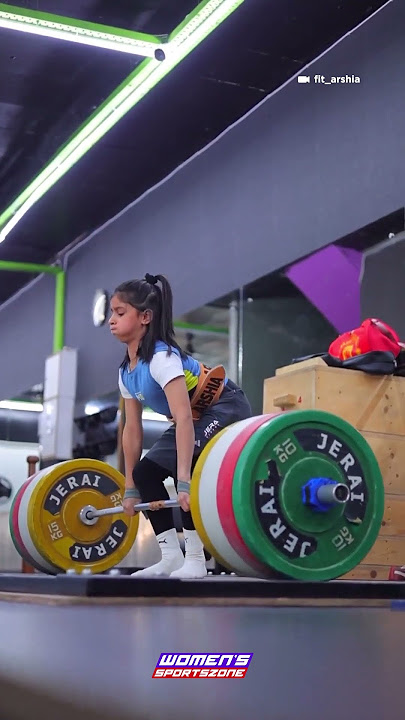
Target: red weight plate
x=224 y=491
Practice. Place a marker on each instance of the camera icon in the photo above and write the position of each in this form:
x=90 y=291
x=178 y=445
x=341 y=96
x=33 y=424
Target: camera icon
x=304 y=78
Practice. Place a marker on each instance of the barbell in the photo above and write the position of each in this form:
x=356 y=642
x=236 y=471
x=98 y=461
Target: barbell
x=324 y=494
x=300 y=493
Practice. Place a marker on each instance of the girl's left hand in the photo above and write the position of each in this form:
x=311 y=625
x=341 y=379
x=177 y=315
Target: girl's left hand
x=184 y=500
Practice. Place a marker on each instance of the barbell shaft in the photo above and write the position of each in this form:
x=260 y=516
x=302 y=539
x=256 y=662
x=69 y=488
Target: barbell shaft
x=116 y=510
x=328 y=495
x=333 y=494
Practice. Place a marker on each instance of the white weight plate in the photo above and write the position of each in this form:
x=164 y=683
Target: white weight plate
x=207 y=501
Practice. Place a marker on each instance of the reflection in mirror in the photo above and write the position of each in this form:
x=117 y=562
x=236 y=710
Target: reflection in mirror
x=203 y=333
x=279 y=324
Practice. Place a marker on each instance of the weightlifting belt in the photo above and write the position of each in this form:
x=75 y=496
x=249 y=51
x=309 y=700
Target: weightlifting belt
x=207 y=392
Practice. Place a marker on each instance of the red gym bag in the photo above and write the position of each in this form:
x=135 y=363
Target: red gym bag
x=372 y=335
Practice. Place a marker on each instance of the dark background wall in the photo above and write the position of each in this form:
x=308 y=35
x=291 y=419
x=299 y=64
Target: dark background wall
x=311 y=164
x=21 y=426
x=382 y=292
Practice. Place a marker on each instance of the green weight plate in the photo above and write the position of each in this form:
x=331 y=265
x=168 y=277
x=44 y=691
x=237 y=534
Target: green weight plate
x=277 y=526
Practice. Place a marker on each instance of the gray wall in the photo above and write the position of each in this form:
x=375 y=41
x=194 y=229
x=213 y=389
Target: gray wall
x=311 y=164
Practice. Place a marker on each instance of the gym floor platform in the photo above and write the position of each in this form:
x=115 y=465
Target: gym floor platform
x=86 y=647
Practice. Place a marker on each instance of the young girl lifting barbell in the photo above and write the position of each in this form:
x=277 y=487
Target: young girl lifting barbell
x=158 y=374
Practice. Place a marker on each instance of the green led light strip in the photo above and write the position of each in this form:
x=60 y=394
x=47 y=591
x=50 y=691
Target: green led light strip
x=201 y=328
x=60 y=284
x=78 y=31
x=197 y=26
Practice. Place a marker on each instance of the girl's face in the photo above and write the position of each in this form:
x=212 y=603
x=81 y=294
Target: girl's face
x=126 y=322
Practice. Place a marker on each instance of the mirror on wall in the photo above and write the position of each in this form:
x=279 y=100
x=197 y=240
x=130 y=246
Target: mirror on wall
x=262 y=326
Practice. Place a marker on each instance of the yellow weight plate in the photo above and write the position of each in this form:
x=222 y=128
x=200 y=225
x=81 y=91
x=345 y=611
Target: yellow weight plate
x=195 y=504
x=53 y=516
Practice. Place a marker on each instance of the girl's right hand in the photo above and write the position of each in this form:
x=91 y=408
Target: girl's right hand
x=129 y=505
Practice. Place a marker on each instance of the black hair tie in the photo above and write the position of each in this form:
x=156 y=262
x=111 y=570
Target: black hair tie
x=152 y=279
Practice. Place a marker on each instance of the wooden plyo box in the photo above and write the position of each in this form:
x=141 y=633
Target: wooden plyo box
x=375 y=406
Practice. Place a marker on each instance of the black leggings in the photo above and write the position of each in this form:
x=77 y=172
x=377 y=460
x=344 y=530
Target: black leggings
x=148 y=477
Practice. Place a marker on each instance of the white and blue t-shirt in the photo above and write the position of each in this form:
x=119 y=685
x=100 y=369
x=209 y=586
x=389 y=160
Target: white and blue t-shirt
x=147 y=380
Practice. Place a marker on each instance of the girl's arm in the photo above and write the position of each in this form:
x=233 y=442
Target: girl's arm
x=180 y=409
x=132 y=438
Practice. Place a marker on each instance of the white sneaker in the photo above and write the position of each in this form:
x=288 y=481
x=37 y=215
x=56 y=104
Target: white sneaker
x=194 y=565
x=172 y=556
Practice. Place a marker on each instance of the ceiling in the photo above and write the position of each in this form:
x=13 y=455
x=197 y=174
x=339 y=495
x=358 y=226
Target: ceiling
x=49 y=87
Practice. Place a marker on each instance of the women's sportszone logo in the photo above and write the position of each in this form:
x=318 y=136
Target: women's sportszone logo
x=193 y=665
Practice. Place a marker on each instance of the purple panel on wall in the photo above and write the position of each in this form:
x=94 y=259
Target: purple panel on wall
x=354 y=256
x=330 y=280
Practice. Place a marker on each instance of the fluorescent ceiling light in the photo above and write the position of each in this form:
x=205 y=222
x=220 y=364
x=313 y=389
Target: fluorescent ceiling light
x=78 y=31
x=150 y=415
x=21 y=405
x=207 y=16
x=92 y=409
x=202 y=21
